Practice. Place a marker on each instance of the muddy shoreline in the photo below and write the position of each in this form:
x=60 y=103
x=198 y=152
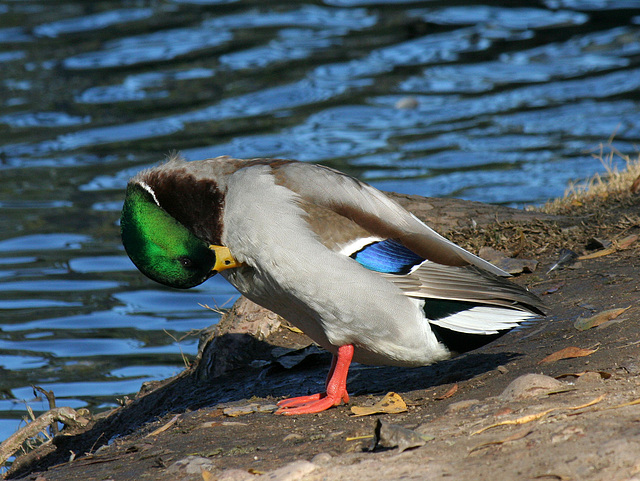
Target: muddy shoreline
x=177 y=429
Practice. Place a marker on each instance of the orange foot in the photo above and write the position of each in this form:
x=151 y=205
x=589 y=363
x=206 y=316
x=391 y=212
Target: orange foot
x=336 y=388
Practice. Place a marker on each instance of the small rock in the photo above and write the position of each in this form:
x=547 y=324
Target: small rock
x=504 y=411
x=290 y=472
x=530 y=385
x=389 y=435
x=292 y=436
x=248 y=409
x=566 y=434
x=632 y=367
x=589 y=377
x=235 y=475
x=407 y=103
x=502 y=369
x=461 y=405
x=191 y=465
x=321 y=459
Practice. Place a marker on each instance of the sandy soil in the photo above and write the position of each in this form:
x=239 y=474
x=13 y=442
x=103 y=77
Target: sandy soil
x=576 y=422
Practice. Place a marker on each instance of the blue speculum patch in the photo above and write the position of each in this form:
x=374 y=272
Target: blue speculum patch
x=387 y=256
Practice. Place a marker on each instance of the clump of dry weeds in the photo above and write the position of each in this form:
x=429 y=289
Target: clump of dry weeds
x=598 y=190
x=603 y=206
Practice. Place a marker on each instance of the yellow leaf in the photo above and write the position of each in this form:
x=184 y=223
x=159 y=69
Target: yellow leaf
x=293 y=329
x=522 y=420
x=533 y=417
x=392 y=403
x=600 y=318
x=567 y=353
x=600 y=253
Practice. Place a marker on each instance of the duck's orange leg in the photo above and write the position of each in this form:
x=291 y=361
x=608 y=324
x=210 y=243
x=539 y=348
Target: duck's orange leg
x=336 y=388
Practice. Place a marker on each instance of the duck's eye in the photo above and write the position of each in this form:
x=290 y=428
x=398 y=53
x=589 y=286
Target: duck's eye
x=185 y=262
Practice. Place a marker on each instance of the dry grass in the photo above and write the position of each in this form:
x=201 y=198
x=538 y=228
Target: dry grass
x=619 y=182
x=604 y=207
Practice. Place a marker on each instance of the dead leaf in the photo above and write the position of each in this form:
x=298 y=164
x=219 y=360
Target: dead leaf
x=600 y=253
x=600 y=318
x=626 y=242
x=588 y=404
x=508 y=439
x=522 y=420
x=450 y=392
x=553 y=289
x=533 y=417
x=358 y=438
x=292 y=328
x=567 y=353
x=622 y=244
x=392 y=403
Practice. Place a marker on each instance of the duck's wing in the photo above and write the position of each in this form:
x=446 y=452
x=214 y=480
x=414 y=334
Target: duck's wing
x=374 y=212
x=466 y=284
x=424 y=279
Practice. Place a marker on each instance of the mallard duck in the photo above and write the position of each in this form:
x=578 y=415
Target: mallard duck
x=361 y=276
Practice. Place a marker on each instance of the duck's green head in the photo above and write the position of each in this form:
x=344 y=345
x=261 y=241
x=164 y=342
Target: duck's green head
x=162 y=248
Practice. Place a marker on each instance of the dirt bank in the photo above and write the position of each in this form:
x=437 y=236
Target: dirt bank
x=585 y=427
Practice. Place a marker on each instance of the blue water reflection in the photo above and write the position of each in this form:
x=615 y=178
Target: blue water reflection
x=495 y=103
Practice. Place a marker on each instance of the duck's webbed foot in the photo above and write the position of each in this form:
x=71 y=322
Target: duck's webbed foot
x=336 y=388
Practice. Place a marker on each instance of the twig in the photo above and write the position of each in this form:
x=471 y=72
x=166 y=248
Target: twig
x=536 y=416
x=65 y=415
x=51 y=398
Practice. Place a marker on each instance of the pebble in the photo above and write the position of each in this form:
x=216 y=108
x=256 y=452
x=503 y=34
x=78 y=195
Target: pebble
x=589 y=377
x=321 y=459
x=530 y=385
x=407 y=103
x=191 y=465
x=235 y=475
x=461 y=405
x=291 y=472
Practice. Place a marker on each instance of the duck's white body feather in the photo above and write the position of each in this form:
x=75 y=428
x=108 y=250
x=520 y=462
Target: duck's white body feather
x=328 y=295
x=294 y=225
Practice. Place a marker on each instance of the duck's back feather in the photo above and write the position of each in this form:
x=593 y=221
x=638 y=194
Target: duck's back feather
x=375 y=212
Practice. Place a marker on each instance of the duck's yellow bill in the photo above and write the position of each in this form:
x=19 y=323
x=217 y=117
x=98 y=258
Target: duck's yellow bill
x=224 y=259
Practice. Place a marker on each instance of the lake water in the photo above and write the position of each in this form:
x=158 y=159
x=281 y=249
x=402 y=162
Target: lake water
x=494 y=101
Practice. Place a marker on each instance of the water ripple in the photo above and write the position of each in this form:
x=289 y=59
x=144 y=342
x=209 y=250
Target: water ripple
x=93 y=22
x=508 y=18
x=153 y=47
